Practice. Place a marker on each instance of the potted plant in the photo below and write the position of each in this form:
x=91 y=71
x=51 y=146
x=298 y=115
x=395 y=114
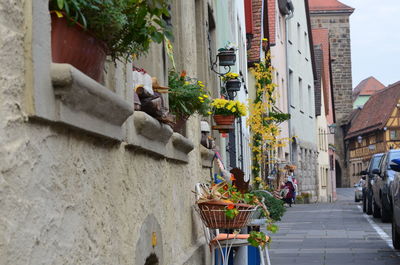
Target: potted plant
x=232 y=82
x=187 y=96
x=225 y=111
x=223 y=206
x=84 y=32
x=226 y=56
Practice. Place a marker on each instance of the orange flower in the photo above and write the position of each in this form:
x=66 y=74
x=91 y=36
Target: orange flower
x=183 y=73
x=232 y=177
x=226 y=187
x=231 y=206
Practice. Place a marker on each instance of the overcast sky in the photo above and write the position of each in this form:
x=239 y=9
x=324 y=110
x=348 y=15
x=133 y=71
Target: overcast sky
x=375 y=40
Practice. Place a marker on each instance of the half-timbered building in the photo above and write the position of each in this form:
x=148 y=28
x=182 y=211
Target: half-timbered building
x=374 y=129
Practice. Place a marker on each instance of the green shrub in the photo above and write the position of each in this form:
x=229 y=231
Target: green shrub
x=299 y=199
x=126 y=26
x=275 y=206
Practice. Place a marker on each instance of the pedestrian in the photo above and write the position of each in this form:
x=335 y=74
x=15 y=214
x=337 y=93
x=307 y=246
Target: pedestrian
x=287 y=193
x=294 y=181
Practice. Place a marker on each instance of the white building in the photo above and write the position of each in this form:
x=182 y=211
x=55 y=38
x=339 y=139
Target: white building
x=301 y=99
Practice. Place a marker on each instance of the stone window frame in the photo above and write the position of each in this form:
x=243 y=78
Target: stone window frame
x=61 y=94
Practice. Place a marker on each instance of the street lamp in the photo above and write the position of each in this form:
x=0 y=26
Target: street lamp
x=331 y=128
x=359 y=139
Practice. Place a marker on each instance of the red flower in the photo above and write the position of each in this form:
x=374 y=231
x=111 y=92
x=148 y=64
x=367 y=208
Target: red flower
x=226 y=187
x=183 y=73
x=231 y=206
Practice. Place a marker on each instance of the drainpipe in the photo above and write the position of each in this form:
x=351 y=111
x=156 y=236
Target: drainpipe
x=289 y=98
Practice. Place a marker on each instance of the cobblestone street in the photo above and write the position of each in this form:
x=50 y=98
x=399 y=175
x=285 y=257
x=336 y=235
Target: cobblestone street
x=332 y=234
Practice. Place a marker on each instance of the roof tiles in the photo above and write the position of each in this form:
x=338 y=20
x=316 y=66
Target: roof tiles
x=367 y=87
x=376 y=112
x=329 y=5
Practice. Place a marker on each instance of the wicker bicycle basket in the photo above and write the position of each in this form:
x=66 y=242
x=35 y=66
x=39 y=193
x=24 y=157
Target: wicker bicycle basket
x=213 y=215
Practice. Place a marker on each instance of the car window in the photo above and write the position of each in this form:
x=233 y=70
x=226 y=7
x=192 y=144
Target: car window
x=375 y=162
x=383 y=163
x=393 y=155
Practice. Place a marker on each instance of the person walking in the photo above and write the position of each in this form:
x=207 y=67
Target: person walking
x=288 y=190
x=294 y=181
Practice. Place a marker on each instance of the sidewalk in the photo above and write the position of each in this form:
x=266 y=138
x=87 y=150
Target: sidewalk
x=329 y=234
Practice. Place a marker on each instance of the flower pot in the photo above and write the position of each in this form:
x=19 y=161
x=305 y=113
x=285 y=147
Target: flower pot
x=180 y=123
x=226 y=58
x=213 y=215
x=224 y=119
x=73 y=45
x=233 y=85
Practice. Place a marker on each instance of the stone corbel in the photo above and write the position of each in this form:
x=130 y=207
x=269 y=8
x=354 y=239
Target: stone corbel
x=207 y=156
x=85 y=104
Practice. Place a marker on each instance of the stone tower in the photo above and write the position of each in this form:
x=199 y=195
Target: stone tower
x=334 y=16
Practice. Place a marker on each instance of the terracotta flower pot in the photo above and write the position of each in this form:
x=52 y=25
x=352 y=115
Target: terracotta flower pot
x=224 y=119
x=73 y=45
x=180 y=124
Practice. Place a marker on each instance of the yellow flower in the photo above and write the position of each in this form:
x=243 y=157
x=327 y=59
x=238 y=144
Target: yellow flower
x=209 y=113
x=201 y=98
x=187 y=83
x=205 y=96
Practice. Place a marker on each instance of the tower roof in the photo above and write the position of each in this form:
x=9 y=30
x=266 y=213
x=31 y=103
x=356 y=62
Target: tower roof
x=329 y=5
x=368 y=87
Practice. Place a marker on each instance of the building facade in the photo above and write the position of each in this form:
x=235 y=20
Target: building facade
x=304 y=150
x=85 y=179
x=374 y=129
x=334 y=16
x=325 y=117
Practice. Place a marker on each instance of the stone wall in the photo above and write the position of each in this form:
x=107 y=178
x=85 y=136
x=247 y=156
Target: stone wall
x=69 y=196
x=340 y=49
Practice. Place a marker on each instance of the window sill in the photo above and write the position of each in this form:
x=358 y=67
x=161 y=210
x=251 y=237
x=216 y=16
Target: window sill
x=83 y=103
x=148 y=134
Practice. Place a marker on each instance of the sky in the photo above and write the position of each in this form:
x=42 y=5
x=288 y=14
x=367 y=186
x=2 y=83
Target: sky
x=375 y=40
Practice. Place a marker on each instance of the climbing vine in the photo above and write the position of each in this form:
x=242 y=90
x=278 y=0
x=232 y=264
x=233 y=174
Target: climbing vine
x=264 y=120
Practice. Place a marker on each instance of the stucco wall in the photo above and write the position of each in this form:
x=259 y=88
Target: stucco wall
x=68 y=197
x=301 y=100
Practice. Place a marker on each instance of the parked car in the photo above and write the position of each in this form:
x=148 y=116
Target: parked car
x=358 y=191
x=381 y=184
x=367 y=189
x=395 y=195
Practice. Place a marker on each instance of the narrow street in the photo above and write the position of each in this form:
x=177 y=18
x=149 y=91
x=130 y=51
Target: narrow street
x=332 y=234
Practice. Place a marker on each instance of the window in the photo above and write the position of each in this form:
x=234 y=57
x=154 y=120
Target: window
x=283 y=96
x=299 y=46
x=393 y=135
x=324 y=176
x=305 y=45
x=301 y=94
x=309 y=103
x=290 y=32
x=291 y=90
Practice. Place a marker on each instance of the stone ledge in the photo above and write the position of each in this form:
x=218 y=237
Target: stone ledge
x=182 y=143
x=150 y=128
x=85 y=104
x=207 y=156
x=148 y=134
